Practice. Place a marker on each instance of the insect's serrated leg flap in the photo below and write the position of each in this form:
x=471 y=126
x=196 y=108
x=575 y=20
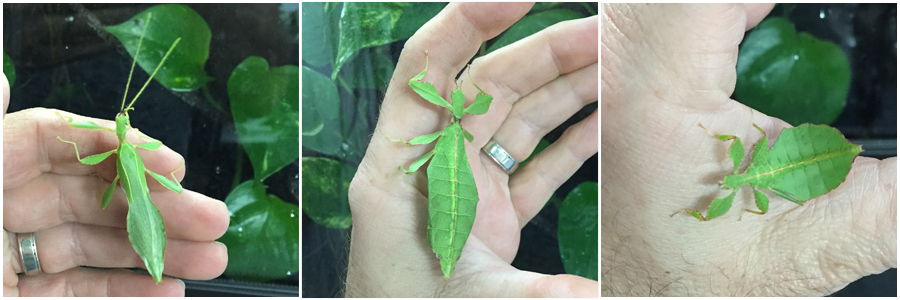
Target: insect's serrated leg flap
x=418 y=163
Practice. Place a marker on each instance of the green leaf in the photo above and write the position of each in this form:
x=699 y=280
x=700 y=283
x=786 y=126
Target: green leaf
x=532 y=24
x=8 y=69
x=371 y=69
x=319 y=26
x=263 y=238
x=321 y=104
x=805 y=162
x=266 y=109
x=795 y=77
x=578 y=231
x=183 y=70
x=543 y=5
x=325 y=186
x=367 y=24
x=542 y=144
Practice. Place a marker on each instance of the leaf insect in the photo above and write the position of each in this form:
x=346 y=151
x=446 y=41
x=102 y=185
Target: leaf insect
x=144 y=223
x=452 y=196
x=805 y=162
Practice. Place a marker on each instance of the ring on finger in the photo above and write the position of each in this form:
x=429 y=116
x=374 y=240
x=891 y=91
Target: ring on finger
x=501 y=156
x=28 y=253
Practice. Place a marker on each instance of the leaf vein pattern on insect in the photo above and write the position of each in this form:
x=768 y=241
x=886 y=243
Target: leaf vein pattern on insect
x=805 y=162
x=813 y=160
x=452 y=193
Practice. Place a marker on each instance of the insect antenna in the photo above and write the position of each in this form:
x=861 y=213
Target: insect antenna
x=134 y=62
x=161 y=62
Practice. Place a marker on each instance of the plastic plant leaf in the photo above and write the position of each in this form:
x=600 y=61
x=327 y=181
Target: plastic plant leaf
x=321 y=104
x=184 y=70
x=452 y=195
x=370 y=69
x=539 y=6
x=8 y=69
x=325 y=191
x=320 y=25
x=792 y=76
x=367 y=24
x=266 y=109
x=263 y=238
x=578 y=231
x=805 y=162
x=532 y=24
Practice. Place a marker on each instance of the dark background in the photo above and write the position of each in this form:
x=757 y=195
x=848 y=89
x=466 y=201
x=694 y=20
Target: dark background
x=62 y=62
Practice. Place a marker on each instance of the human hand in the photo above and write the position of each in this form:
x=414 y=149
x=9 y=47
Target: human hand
x=537 y=83
x=46 y=190
x=666 y=69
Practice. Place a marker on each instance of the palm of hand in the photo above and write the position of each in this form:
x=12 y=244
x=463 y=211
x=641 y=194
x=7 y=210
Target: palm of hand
x=663 y=162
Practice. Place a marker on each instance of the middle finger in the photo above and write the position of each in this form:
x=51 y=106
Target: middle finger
x=52 y=199
x=556 y=57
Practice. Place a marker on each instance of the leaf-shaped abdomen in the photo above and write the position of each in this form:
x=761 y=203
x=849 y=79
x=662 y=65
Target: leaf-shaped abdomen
x=144 y=223
x=452 y=198
x=806 y=161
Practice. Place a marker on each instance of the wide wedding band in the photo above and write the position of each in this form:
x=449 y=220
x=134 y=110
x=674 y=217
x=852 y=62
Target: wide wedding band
x=506 y=161
x=28 y=253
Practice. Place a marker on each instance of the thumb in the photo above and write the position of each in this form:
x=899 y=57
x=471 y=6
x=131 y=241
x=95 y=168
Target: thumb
x=5 y=94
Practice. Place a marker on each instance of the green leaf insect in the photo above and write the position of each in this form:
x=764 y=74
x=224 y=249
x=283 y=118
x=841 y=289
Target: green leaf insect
x=144 y=223
x=452 y=196
x=805 y=162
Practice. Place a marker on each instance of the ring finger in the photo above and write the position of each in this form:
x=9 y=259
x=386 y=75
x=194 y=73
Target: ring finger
x=71 y=245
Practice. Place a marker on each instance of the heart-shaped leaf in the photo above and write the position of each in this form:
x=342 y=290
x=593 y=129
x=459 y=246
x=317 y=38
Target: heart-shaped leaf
x=321 y=129
x=578 y=231
x=795 y=77
x=367 y=24
x=320 y=32
x=8 y=69
x=325 y=185
x=266 y=109
x=263 y=238
x=183 y=70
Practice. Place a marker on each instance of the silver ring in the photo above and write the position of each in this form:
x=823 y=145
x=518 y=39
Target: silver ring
x=28 y=253
x=506 y=161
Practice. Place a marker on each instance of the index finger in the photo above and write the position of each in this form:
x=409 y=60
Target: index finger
x=451 y=38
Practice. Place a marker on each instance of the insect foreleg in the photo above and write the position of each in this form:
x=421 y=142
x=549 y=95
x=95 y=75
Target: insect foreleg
x=736 y=152
x=84 y=125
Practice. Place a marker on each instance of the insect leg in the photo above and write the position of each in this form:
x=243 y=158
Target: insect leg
x=90 y=160
x=789 y=197
x=84 y=125
x=420 y=140
x=762 y=202
x=418 y=163
x=717 y=208
x=173 y=184
x=107 y=196
x=152 y=145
